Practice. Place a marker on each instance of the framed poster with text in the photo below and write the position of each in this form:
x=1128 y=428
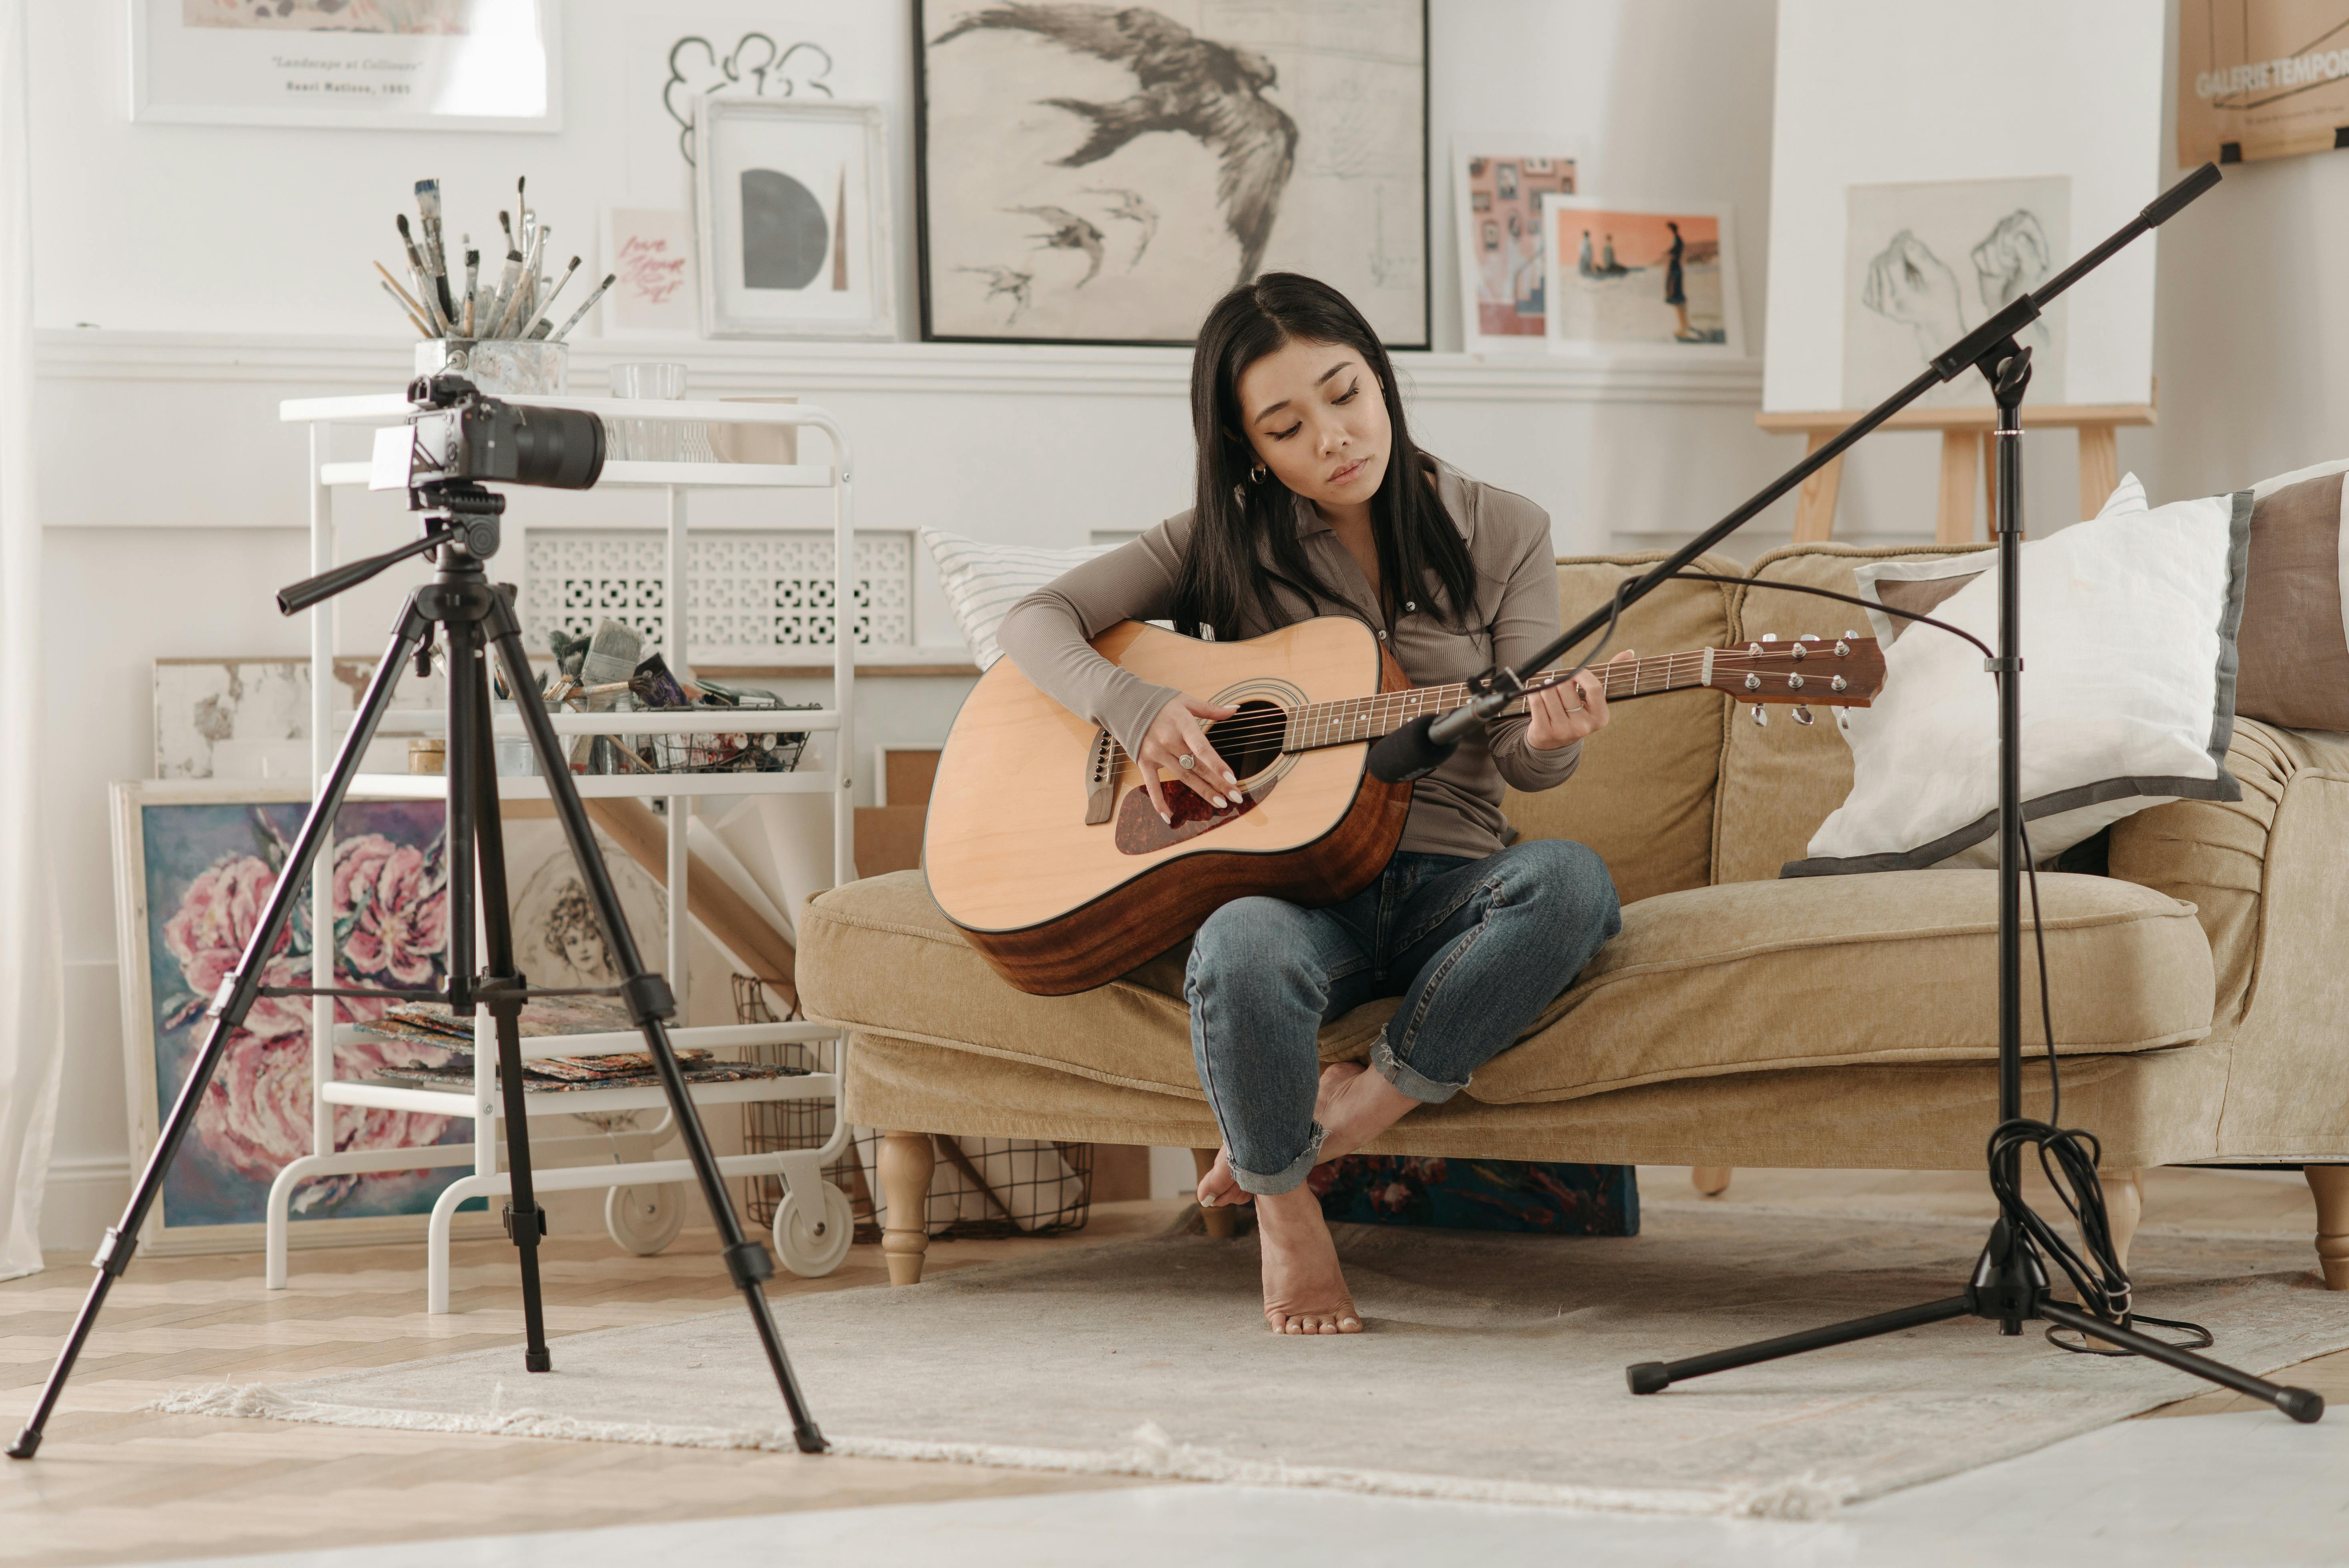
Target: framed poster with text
x=2262 y=78
x=442 y=65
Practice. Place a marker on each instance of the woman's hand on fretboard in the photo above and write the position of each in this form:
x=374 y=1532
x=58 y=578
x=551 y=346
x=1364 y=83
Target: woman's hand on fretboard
x=1564 y=713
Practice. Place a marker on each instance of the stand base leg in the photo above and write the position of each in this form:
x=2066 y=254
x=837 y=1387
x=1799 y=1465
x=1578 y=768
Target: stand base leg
x=1655 y=1377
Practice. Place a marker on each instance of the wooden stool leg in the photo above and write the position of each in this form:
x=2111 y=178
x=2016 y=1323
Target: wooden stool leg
x=1712 y=1180
x=1221 y=1223
x=2100 y=466
x=2124 y=1207
x=1815 y=504
x=1953 y=520
x=905 y=1160
x=2331 y=1185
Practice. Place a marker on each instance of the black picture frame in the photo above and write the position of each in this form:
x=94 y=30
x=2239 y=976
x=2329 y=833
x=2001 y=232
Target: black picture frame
x=924 y=237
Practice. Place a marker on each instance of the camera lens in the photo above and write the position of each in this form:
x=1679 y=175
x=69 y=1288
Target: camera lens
x=561 y=449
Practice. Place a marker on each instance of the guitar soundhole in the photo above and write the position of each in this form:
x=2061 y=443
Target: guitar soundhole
x=1250 y=739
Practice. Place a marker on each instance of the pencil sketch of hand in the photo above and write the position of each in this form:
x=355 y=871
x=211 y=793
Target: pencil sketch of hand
x=2014 y=259
x=1908 y=284
x=1191 y=86
x=756 y=66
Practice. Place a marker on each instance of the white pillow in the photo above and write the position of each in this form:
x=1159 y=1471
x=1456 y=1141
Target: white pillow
x=2128 y=691
x=984 y=581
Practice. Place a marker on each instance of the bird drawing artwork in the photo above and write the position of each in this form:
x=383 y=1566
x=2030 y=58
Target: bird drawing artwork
x=1008 y=282
x=1068 y=231
x=1133 y=209
x=1188 y=86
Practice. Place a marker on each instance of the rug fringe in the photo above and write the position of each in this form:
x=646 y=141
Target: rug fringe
x=1151 y=1453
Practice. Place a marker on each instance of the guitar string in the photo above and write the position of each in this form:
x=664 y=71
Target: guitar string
x=1327 y=719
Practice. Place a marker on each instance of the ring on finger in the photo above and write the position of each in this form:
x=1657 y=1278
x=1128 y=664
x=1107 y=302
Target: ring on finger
x=1186 y=762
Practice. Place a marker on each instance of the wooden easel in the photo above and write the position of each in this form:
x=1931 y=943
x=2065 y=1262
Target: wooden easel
x=1966 y=447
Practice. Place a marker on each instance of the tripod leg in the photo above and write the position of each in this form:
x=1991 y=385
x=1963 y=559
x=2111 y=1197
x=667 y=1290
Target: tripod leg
x=2300 y=1404
x=650 y=1002
x=474 y=821
x=228 y=1010
x=1654 y=1377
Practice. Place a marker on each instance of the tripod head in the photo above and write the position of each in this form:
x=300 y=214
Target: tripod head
x=458 y=513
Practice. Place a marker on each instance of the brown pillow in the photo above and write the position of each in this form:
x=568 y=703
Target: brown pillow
x=2293 y=644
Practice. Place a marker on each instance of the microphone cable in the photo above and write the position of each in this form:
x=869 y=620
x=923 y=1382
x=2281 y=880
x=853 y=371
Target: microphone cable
x=2068 y=1157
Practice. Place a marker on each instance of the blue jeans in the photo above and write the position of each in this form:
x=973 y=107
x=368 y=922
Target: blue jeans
x=1476 y=949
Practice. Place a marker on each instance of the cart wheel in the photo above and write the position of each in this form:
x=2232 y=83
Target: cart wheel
x=813 y=1230
x=644 y=1219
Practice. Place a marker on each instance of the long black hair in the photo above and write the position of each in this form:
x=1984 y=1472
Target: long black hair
x=1246 y=533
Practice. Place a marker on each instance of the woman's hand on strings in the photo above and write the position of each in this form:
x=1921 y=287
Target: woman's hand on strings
x=1176 y=734
x=1565 y=713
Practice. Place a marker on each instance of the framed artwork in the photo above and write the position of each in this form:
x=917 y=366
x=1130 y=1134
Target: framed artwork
x=440 y=65
x=193 y=864
x=649 y=253
x=1629 y=278
x=1497 y=211
x=1095 y=175
x=791 y=219
x=2260 y=79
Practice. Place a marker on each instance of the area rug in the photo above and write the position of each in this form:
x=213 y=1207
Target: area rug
x=1492 y=1368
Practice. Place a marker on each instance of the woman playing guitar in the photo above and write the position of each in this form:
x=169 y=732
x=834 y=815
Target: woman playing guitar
x=1313 y=501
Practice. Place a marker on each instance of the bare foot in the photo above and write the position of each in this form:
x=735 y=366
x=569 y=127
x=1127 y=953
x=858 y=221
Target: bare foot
x=1354 y=1106
x=1304 y=1289
x=1219 y=1187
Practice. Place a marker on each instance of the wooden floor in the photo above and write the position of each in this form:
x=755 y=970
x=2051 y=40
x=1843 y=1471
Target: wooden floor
x=113 y=1485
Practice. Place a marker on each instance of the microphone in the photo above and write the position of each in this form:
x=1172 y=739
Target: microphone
x=1420 y=746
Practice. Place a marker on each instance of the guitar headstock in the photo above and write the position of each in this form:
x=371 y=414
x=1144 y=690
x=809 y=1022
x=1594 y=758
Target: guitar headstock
x=1807 y=672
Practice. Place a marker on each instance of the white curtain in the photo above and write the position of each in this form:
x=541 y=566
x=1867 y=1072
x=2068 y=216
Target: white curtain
x=31 y=1048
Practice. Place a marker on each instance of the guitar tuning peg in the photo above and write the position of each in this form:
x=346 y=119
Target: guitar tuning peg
x=1852 y=636
x=1761 y=716
x=1808 y=637
x=1802 y=715
x=1769 y=636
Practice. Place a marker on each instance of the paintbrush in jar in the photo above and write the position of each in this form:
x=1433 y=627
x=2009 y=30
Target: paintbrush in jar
x=586 y=306
x=428 y=207
x=538 y=327
x=401 y=301
x=502 y=304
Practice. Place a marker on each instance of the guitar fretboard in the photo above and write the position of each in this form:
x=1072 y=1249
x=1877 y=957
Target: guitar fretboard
x=1359 y=719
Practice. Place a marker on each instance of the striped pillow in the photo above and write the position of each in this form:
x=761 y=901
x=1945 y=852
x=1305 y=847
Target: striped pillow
x=984 y=581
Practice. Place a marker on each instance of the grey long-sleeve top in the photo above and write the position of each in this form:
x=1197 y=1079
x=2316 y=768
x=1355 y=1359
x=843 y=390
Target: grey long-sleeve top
x=1456 y=809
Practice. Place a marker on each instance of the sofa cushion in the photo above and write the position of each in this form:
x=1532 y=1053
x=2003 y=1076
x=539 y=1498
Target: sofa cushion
x=1778 y=783
x=1745 y=977
x=1642 y=795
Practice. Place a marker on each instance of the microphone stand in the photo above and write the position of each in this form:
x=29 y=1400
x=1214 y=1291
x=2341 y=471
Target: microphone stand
x=2008 y=1284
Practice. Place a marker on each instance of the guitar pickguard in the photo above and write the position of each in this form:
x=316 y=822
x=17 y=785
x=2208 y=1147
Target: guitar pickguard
x=1140 y=829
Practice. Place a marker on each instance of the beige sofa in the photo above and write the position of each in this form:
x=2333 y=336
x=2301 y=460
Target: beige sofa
x=2200 y=991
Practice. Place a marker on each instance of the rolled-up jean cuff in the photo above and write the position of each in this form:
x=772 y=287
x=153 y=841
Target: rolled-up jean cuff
x=1288 y=1179
x=1400 y=1073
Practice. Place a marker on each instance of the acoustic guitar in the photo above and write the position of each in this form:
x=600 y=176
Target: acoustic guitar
x=1043 y=848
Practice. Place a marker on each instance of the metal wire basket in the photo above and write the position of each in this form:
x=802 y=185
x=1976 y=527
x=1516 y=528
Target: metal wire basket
x=990 y=1187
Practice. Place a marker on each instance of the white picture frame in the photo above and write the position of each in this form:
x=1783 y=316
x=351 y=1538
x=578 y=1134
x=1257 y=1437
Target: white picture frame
x=1616 y=305
x=216 y=62
x=773 y=186
x=1476 y=161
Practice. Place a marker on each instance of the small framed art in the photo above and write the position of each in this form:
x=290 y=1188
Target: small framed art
x=1641 y=279
x=791 y=219
x=1496 y=191
x=441 y=64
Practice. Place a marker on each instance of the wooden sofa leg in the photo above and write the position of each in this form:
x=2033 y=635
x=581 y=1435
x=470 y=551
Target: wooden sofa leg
x=905 y=1160
x=2124 y=1207
x=1221 y=1223
x=1712 y=1180
x=2330 y=1183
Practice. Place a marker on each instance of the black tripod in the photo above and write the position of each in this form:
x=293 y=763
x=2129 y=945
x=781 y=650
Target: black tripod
x=2009 y=1285
x=462 y=532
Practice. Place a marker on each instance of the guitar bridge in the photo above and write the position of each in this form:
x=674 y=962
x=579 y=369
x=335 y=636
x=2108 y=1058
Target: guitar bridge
x=1101 y=780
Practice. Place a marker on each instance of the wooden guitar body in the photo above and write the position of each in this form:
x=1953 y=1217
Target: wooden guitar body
x=1058 y=904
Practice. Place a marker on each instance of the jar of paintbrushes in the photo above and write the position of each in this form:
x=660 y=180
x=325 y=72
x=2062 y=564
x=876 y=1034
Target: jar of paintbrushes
x=494 y=324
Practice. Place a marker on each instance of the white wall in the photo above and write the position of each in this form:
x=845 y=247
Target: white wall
x=190 y=277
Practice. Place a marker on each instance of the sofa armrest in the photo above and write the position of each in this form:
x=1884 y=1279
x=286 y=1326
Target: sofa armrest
x=2215 y=854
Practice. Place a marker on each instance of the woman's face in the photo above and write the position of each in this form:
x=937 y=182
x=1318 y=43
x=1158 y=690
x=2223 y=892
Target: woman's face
x=1315 y=415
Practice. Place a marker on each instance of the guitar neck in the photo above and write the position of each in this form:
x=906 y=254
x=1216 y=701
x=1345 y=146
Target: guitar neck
x=1320 y=724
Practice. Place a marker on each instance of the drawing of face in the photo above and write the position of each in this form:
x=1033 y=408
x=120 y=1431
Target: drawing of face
x=1318 y=418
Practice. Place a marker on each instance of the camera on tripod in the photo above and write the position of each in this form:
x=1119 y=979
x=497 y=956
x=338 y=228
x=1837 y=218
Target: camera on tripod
x=460 y=433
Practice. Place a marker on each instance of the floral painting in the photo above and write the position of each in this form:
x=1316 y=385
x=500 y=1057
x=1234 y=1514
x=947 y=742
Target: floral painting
x=208 y=868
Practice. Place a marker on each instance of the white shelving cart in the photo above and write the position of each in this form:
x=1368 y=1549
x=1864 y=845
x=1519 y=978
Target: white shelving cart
x=813 y=1224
